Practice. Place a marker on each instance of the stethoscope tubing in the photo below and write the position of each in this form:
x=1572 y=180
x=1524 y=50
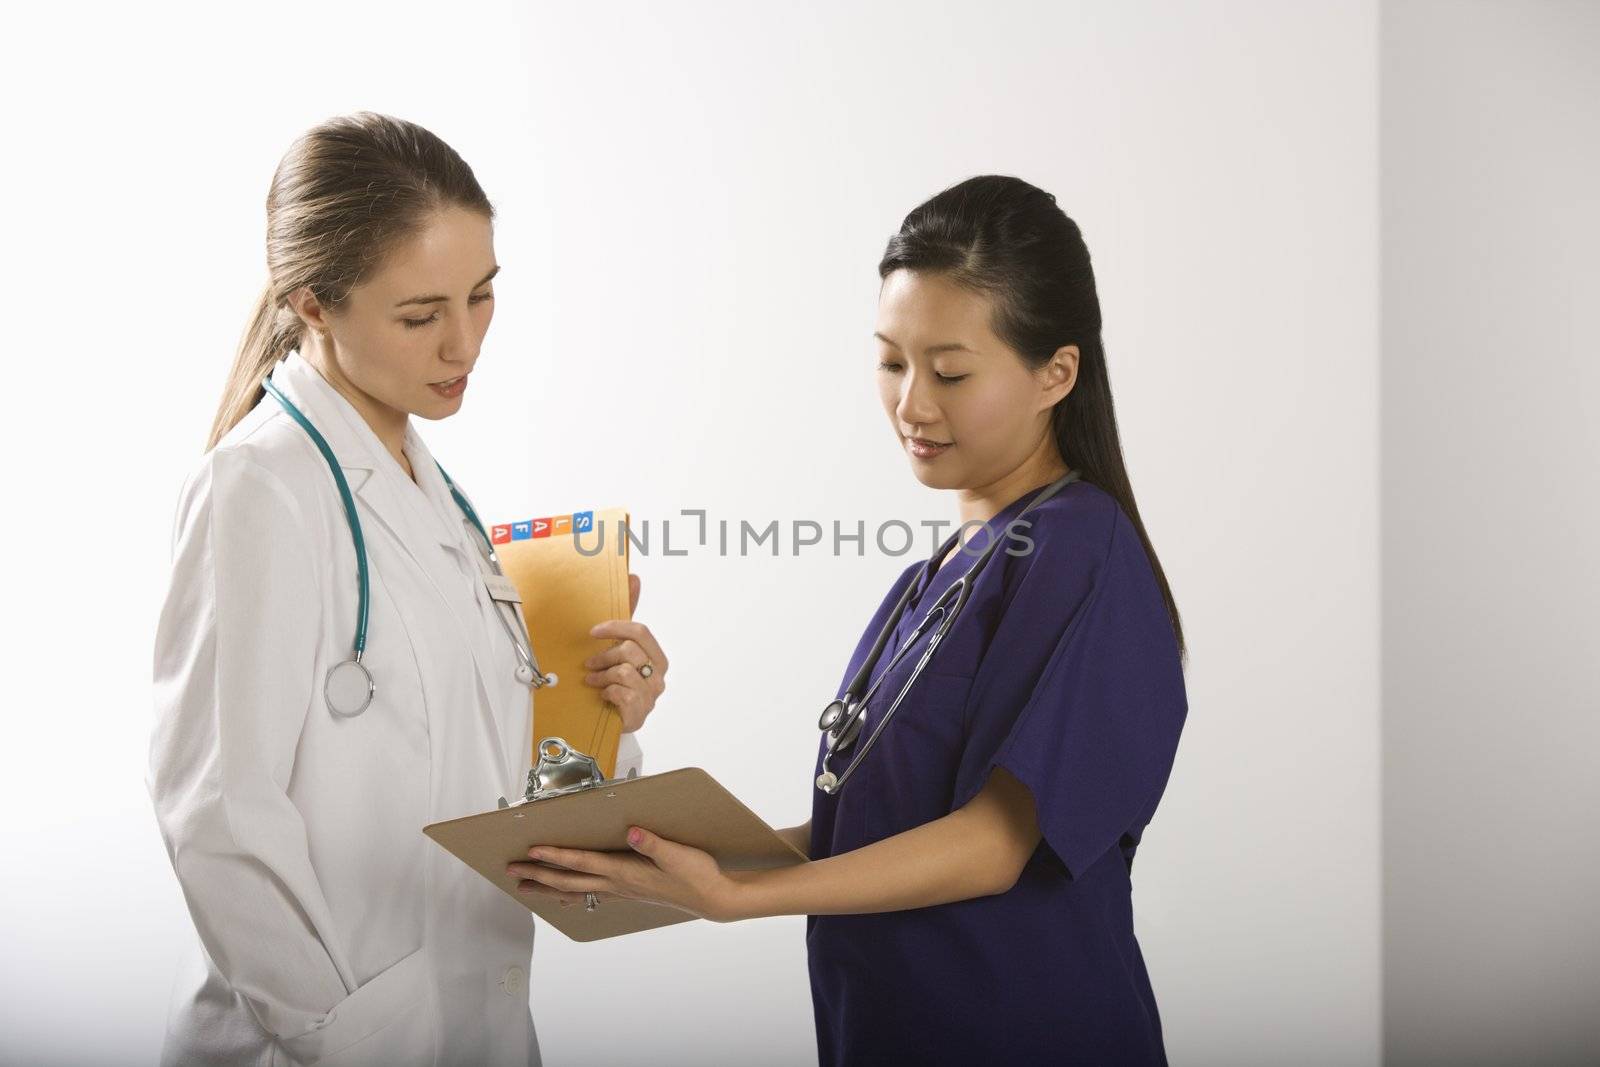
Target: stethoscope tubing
x=529 y=666
x=364 y=595
x=525 y=647
x=842 y=728
x=946 y=620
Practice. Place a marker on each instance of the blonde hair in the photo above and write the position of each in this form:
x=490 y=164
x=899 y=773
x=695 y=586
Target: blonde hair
x=347 y=191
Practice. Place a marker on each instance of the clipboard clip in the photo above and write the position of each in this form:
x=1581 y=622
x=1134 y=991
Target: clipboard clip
x=561 y=769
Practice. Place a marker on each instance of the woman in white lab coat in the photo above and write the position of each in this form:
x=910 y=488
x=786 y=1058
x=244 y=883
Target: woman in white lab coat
x=330 y=929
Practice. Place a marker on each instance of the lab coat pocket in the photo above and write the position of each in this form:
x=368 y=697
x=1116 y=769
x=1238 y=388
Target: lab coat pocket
x=387 y=1020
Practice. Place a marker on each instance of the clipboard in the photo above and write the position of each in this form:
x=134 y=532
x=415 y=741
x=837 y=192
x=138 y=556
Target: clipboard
x=570 y=804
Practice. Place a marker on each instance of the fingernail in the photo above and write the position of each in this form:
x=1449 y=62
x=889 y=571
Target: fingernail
x=533 y=854
x=635 y=836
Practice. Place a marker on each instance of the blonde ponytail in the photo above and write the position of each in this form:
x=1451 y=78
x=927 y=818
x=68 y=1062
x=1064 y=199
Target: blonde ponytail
x=273 y=332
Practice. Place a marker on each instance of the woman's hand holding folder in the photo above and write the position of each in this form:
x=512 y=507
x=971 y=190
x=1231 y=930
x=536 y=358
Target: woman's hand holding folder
x=619 y=672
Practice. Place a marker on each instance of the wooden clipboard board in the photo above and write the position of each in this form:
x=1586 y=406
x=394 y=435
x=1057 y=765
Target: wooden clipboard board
x=688 y=806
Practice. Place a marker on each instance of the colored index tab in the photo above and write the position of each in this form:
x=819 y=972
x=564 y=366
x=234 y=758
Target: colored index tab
x=500 y=534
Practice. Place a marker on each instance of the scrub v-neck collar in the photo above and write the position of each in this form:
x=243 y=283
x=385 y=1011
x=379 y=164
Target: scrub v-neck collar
x=933 y=574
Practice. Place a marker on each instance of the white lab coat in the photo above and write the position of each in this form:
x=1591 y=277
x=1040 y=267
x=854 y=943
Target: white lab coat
x=331 y=930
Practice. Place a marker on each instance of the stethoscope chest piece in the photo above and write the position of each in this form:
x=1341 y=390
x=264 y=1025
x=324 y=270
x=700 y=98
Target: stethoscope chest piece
x=348 y=688
x=831 y=715
x=841 y=723
x=842 y=719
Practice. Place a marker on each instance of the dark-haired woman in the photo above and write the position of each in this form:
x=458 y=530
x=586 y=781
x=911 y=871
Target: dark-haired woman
x=291 y=798
x=969 y=895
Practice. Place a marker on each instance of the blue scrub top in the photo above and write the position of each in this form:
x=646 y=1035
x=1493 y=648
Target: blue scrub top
x=1063 y=669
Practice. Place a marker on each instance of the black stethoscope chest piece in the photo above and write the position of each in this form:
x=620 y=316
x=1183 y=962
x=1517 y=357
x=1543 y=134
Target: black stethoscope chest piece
x=842 y=719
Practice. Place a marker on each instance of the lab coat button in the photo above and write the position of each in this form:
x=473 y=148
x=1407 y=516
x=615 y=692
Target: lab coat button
x=511 y=981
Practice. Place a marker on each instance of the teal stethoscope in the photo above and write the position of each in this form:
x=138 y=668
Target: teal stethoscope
x=348 y=686
x=842 y=719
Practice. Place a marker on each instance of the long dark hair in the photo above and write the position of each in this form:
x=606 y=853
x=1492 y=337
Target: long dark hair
x=1007 y=239
x=347 y=191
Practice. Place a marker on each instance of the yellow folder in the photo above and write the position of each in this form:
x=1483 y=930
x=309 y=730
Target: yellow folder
x=572 y=573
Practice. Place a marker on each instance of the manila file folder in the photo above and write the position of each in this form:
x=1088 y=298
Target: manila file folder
x=589 y=812
x=571 y=572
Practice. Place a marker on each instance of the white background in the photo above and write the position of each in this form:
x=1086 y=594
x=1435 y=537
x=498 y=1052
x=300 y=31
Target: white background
x=692 y=199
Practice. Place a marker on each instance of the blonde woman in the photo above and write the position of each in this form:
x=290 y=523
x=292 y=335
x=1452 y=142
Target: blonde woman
x=290 y=776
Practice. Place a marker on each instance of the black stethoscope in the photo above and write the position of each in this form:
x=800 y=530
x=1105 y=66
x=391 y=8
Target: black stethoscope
x=841 y=720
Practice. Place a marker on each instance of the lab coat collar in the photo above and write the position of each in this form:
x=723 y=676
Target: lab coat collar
x=418 y=520
x=373 y=473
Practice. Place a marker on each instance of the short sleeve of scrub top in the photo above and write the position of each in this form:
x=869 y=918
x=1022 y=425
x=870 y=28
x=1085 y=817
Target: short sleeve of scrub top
x=1063 y=669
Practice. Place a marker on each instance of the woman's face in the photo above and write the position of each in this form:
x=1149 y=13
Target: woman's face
x=964 y=406
x=408 y=336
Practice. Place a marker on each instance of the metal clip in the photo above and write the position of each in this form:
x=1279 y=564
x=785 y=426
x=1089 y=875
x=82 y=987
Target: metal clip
x=561 y=769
